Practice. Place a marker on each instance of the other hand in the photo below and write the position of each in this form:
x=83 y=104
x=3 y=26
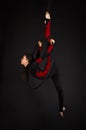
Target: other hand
x=52 y=41
x=39 y=43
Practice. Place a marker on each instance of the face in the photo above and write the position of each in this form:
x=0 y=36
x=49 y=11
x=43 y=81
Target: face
x=25 y=61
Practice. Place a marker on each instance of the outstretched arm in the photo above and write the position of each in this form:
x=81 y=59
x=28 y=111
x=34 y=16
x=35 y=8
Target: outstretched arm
x=47 y=22
x=47 y=32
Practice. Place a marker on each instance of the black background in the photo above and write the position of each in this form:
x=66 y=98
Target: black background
x=21 y=26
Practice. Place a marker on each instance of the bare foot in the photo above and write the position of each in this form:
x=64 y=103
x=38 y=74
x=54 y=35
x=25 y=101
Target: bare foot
x=62 y=113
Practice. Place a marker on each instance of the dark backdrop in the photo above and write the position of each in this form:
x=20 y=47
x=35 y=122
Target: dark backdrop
x=21 y=26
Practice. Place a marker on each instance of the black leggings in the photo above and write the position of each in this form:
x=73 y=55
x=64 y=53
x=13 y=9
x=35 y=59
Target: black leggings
x=56 y=81
x=54 y=75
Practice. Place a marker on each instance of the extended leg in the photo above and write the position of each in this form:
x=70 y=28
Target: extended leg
x=56 y=81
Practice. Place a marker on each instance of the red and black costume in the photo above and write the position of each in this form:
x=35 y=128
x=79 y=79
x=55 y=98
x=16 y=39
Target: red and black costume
x=50 y=71
x=40 y=53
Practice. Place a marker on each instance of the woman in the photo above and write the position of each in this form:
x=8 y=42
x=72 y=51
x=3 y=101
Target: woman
x=42 y=50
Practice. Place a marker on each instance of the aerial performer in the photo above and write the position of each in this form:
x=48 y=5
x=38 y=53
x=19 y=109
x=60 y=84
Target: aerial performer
x=32 y=63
